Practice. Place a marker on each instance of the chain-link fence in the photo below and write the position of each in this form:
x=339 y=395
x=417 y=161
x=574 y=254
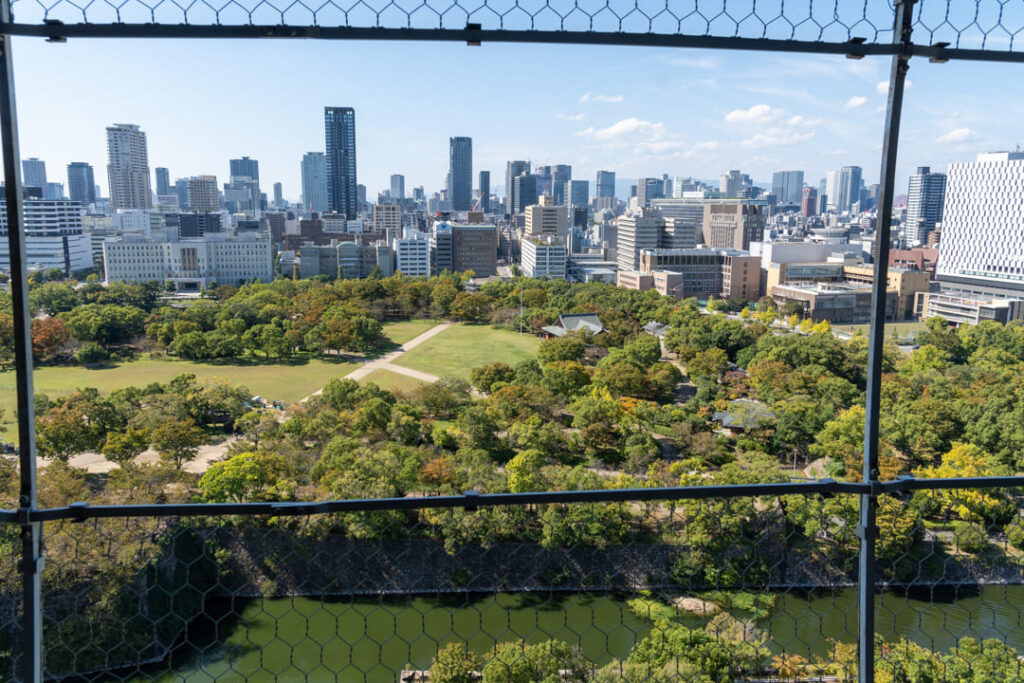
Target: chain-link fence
x=740 y=587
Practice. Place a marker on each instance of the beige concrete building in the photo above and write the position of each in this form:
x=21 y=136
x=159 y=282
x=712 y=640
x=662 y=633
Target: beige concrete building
x=733 y=226
x=202 y=194
x=723 y=273
x=838 y=303
x=387 y=219
x=546 y=219
x=634 y=279
x=907 y=282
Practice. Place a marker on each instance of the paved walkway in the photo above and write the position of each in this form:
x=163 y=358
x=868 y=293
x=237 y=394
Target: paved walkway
x=387 y=361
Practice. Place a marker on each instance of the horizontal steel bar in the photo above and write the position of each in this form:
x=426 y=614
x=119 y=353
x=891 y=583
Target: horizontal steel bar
x=58 y=30
x=853 y=49
x=84 y=511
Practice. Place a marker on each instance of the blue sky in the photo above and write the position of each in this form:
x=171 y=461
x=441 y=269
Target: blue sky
x=636 y=111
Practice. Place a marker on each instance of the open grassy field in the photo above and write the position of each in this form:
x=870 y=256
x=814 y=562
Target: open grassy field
x=461 y=348
x=404 y=330
x=392 y=381
x=286 y=382
x=903 y=329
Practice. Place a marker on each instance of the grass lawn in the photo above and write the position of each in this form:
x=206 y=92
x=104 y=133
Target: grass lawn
x=902 y=330
x=461 y=348
x=404 y=330
x=286 y=382
x=392 y=381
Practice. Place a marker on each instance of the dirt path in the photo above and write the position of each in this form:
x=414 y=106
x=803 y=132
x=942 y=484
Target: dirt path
x=95 y=463
x=386 y=362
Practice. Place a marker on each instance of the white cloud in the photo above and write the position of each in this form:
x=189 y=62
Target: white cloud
x=883 y=86
x=956 y=135
x=571 y=117
x=629 y=128
x=759 y=113
x=856 y=101
x=776 y=136
x=592 y=97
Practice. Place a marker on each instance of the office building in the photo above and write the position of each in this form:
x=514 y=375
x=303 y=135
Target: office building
x=809 y=202
x=905 y=282
x=128 y=168
x=54 y=236
x=982 y=225
x=733 y=225
x=359 y=260
x=636 y=233
x=318 y=260
x=513 y=169
x=605 y=190
x=847 y=187
x=577 y=193
x=441 y=248
x=191 y=264
x=544 y=256
x=397 y=187
x=181 y=189
x=460 y=173
x=524 y=192
x=967 y=309
x=163 y=181
x=33 y=173
x=788 y=186
x=722 y=273
x=53 y=191
x=245 y=168
x=203 y=196
x=485 y=192
x=340 y=138
x=412 y=253
x=734 y=184
x=278 y=196
x=552 y=179
x=81 y=183
x=475 y=248
x=387 y=220
x=925 y=195
x=837 y=303
x=314 y=182
x=198 y=224
x=648 y=189
x=546 y=219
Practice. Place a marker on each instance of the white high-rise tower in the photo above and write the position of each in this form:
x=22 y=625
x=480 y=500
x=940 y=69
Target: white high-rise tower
x=128 y=168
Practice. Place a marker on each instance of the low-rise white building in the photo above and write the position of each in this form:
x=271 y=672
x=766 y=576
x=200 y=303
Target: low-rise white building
x=412 y=253
x=544 y=256
x=54 y=236
x=191 y=264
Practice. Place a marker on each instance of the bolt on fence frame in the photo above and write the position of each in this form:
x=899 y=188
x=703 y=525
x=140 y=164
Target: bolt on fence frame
x=30 y=518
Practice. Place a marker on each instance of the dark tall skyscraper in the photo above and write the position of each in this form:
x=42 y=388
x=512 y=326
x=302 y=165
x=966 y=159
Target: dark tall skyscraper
x=181 y=189
x=163 y=181
x=552 y=181
x=340 y=136
x=485 y=191
x=605 y=189
x=245 y=168
x=513 y=169
x=460 y=173
x=81 y=183
x=278 y=195
x=524 y=192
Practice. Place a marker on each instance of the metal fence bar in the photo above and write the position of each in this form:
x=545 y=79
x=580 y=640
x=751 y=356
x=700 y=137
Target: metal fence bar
x=31 y=530
x=81 y=512
x=867 y=529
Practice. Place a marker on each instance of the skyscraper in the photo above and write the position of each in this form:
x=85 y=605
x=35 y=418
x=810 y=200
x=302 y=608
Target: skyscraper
x=524 y=192
x=33 y=173
x=485 y=191
x=733 y=184
x=513 y=169
x=924 y=204
x=163 y=181
x=605 y=189
x=982 y=219
x=552 y=180
x=81 y=183
x=203 y=196
x=848 y=188
x=787 y=186
x=648 y=189
x=460 y=173
x=314 y=182
x=809 y=202
x=340 y=138
x=397 y=187
x=128 y=167
x=278 y=195
x=181 y=189
x=245 y=168
x=577 y=193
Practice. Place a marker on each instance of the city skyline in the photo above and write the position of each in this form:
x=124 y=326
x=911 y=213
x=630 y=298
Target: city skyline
x=625 y=118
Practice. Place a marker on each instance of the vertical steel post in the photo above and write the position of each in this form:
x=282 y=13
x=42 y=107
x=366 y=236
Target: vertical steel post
x=31 y=563
x=867 y=529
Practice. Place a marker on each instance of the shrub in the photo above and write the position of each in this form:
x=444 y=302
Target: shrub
x=454 y=663
x=91 y=352
x=972 y=539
